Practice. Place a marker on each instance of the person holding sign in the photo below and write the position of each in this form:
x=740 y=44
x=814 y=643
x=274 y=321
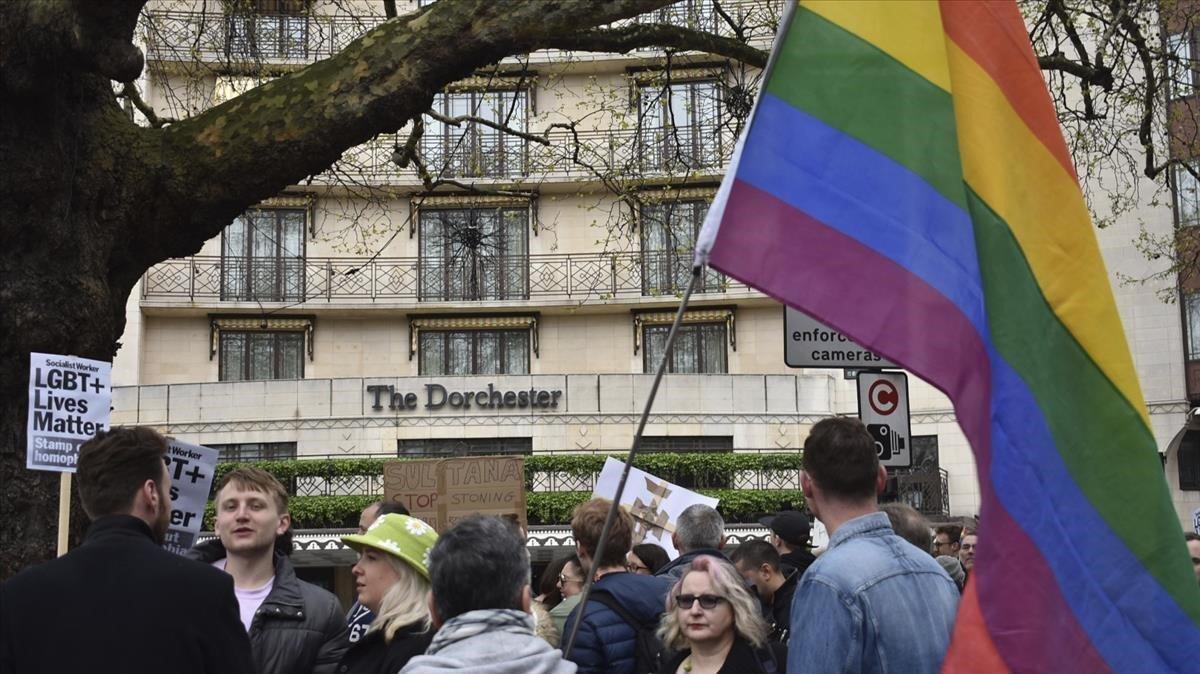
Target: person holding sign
x=119 y=602
x=294 y=626
x=392 y=580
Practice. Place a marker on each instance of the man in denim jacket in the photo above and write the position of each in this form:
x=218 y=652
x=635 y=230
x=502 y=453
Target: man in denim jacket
x=872 y=602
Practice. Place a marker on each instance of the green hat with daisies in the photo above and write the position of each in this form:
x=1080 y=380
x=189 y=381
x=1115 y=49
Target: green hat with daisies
x=401 y=536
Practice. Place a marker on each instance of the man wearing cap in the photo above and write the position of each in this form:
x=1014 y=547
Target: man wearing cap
x=392 y=581
x=789 y=535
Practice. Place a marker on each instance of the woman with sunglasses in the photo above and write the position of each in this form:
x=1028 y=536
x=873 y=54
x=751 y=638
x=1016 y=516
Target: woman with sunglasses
x=715 y=626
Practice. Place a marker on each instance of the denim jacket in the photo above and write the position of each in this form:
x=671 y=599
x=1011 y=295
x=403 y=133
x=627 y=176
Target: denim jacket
x=871 y=603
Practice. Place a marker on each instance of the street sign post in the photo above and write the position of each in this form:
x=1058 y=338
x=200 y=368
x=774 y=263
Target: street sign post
x=809 y=343
x=883 y=408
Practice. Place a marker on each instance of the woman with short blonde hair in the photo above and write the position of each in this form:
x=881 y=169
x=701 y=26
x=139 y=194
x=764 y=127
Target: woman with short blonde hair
x=715 y=625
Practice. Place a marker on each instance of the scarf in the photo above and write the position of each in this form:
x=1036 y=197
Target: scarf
x=474 y=623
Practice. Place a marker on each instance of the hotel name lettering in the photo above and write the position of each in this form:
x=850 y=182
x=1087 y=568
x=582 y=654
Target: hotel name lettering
x=436 y=397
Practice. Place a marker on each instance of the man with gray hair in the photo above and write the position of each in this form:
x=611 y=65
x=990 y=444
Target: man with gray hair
x=480 y=602
x=909 y=524
x=700 y=530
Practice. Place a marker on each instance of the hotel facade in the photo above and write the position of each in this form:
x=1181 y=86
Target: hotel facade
x=522 y=304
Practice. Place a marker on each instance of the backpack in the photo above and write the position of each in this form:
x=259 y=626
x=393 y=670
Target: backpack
x=648 y=650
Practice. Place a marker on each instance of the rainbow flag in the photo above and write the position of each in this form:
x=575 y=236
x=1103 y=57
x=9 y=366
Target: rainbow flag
x=904 y=180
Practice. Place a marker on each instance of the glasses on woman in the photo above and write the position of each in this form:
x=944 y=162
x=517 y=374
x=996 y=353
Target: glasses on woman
x=707 y=601
x=637 y=568
x=563 y=578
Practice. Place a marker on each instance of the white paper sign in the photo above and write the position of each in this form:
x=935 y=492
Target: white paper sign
x=191 y=470
x=69 y=401
x=654 y=503
x=1196 y=520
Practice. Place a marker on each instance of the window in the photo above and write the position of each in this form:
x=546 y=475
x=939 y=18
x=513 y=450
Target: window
x=679 y=125
x=261 y=354
x=1192 y=316
x=474 y=254
x=464 y=447
x=1187 y=196
x=262 y=256
x=472 y=149
x=1181 y=68
x=695 y=14
x=699 y=348
x=669 y=231
x=268 y=29
x=255 y=451
x=686 y=443
x=1189 y=462
x=469 y=352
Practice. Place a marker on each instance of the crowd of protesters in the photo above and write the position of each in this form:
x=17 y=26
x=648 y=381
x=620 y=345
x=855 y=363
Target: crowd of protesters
x=881 y=596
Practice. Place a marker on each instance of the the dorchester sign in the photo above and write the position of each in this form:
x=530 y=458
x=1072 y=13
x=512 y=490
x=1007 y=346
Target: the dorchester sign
x=436 y=397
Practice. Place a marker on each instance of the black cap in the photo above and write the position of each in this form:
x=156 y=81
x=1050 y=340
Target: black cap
x=790 y=525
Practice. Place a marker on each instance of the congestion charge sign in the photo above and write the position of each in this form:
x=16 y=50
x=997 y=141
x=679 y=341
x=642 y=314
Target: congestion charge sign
x=69 y=401
x=808 y=343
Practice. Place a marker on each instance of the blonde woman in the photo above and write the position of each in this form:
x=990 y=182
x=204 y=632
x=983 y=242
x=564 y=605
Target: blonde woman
x=392 y=580
x=715 y=626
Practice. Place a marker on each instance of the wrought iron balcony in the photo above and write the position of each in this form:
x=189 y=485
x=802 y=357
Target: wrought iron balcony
x=620 y=153
x=573 y=276
x=276 y=39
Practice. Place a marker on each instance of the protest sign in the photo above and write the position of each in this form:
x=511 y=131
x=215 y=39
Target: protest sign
x=69 y=401
x=191 y=470
x=443 y=491
x=654 y=503
x=1196 y=520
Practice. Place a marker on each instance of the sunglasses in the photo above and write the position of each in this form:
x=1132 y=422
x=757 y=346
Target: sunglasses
x=562 y=578
x=708 y=601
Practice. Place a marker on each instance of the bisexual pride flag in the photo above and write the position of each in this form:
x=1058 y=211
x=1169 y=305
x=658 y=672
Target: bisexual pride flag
x=904 y=180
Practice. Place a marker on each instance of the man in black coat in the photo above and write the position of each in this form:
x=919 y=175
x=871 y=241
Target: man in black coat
x=774 y=582
x=119 y=602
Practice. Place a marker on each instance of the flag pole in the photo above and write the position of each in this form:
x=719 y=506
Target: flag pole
x=64 y=511
x=637 y=441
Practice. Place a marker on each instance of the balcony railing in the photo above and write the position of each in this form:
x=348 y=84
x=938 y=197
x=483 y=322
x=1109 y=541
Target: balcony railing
x=704 y=149
x=216 y=37
x=363 y=280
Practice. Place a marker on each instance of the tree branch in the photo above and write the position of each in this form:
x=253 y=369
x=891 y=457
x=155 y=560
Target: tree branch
x=483 y=121
x=130 y=93
x=629 y=38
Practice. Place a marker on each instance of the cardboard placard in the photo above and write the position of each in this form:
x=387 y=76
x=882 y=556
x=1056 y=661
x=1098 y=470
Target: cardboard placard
x=69 y=402
x=191 y=469
x=441 y=492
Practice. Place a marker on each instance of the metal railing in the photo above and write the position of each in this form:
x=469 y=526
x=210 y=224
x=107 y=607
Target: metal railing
x=345 y=279
x=235 y=39
x=703 y=149
x=925 y=490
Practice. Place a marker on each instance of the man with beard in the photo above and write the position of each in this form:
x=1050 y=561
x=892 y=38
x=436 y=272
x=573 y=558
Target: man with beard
x=120 y=602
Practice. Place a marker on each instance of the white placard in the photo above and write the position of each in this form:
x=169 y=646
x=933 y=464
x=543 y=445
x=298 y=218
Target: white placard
x=69 y=402
x=191 y=470
x=654 y=503
x=1196 y=520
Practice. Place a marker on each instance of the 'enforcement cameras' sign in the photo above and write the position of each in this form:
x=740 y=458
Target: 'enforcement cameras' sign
x=808 y=343
x=69 y=402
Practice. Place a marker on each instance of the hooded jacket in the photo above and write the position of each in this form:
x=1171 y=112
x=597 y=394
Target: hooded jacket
x=492 y=652
x=299 y=629
x=606 y=643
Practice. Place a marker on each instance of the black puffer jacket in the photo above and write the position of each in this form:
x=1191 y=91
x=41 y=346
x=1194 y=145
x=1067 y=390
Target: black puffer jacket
x=300 y=628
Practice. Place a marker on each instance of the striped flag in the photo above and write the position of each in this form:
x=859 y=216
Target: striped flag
x=904 y=180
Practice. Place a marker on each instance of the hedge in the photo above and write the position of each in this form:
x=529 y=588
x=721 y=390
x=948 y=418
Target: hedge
x=685 y=468
x=332 y=512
